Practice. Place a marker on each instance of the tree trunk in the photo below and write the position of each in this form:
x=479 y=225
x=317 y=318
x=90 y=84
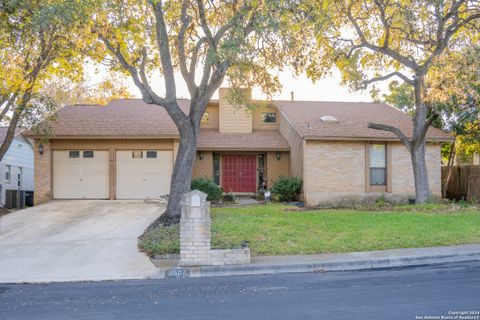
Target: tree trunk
x=10 y=133
x=417 y=153
x=420 y=175
x=181 y=176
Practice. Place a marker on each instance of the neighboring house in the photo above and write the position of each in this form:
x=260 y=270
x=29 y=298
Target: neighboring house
x=16 y=167
x=126 y=150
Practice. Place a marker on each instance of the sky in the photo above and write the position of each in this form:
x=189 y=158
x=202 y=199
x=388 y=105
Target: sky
x=327 y=89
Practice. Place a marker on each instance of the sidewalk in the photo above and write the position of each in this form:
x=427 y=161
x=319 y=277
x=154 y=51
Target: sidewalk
x=327 y=262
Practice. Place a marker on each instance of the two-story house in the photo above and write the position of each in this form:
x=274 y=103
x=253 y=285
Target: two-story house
x=126 y=150
x=16 y=169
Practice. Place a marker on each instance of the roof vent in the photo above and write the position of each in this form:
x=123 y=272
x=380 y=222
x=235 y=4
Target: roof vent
x=329 y=119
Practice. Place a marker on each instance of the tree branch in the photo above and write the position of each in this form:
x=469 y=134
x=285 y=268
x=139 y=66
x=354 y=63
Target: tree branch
x=165 y=56
x=147 y=94
x=364 y=43
x=396 y=131
x=182 y=60
x=365 y=83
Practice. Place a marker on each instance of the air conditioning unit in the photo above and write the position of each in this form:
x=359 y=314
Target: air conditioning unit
x=15 y=199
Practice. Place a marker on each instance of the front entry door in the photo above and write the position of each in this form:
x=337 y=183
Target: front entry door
x=239 y=173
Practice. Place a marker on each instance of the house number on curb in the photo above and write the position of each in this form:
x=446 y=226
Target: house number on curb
x=177 y=273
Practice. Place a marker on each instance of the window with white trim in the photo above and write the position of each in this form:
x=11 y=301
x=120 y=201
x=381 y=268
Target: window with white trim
x=8 y=172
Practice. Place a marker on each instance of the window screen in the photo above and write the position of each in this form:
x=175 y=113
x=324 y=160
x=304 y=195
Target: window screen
x=88 y=154
x=74 y=154
x=151 y=154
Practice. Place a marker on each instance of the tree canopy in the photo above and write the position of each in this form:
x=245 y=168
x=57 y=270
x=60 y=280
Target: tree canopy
x=376 y=40
x=38 y=39
x=206 y=42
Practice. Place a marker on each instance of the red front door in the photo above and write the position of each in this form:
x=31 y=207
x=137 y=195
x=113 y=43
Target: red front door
x=239 y=173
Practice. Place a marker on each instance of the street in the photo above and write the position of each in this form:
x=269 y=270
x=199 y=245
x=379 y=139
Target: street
x=407 y=293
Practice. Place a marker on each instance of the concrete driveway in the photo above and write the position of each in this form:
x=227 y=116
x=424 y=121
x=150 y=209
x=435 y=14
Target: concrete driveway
x=77 y=240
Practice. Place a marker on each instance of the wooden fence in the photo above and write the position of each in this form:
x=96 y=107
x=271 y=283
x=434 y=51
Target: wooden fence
x=464 y=183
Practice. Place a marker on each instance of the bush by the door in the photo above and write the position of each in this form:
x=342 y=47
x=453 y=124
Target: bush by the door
x=287 y=188
x=207 y=186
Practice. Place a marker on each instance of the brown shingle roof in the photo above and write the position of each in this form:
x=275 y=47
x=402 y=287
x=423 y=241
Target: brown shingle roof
x=353 y=119
x=211 y=139
x=126 y=117
x=134 y=118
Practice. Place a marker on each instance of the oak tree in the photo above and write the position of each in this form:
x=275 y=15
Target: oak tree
x=205 y=41
x=38 y=39
x=376 y=40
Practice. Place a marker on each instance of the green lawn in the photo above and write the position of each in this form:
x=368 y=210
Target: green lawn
x=273 y=230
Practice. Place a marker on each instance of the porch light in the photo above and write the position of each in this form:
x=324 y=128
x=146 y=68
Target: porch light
x=200 y=155
x=278 y=155
x=40 y=149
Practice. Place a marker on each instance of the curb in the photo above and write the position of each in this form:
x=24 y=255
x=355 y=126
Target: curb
x=321 y=265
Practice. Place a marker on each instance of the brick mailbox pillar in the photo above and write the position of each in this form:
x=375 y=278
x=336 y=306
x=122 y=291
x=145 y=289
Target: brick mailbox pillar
x=195 y=229
x=195 y=235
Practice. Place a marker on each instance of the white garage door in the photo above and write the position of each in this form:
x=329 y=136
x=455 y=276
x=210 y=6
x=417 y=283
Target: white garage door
x=80 y=174
x=143 y=174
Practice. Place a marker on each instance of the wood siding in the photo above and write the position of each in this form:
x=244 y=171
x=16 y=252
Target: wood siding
x=213 y=118
x=233 y=118
x=203 y=168
x=258 y=123
x=277 y=168
x=296 y=146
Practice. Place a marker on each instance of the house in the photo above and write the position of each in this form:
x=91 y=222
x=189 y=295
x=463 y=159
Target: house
x=16 y=169
x=126 y=150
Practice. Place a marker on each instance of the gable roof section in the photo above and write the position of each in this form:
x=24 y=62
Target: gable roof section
x=3 y=133
x=352 y=120
x=119 y=118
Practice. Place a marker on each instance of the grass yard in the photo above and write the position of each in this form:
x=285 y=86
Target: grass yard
x=275 y=230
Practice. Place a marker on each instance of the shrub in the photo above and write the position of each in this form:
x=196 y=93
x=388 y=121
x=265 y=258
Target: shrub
x=207 y=186
x=161 y=240
x=287 y=188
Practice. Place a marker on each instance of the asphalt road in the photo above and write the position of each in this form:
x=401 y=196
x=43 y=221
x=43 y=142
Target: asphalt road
x=383 y=294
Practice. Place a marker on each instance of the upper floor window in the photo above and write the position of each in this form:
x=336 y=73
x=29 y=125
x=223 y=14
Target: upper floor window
x=205 y=117
x=269 y=117
x=378 y=164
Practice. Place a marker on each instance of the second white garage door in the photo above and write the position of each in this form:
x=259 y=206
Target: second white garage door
x=143 y=174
